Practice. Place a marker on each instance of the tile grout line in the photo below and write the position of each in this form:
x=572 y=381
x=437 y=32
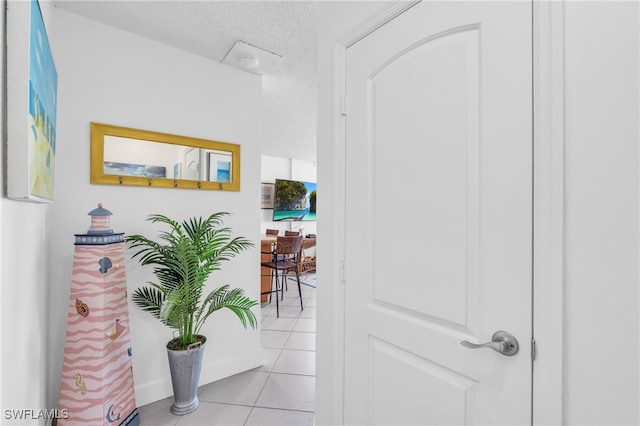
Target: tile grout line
x=271 y=372
x=268 y=376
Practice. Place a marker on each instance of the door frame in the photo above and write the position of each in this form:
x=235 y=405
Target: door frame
x=548 y=216
x=548 y=210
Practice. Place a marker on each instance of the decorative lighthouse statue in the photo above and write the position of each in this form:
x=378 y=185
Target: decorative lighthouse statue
x=97 y=377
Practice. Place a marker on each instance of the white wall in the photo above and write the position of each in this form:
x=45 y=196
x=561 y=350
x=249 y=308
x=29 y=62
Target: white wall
x=24 y=309
x=286 y=168
x=601 y=213
x=114 y=77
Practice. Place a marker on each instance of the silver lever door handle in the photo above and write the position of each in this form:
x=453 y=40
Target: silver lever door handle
x=501 y=341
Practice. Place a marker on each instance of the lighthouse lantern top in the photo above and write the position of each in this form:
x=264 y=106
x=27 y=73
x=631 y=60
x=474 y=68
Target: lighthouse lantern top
x=100 y=232
x=100 y=218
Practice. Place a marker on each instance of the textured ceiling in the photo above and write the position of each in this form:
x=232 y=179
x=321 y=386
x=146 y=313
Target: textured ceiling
x=210 y=29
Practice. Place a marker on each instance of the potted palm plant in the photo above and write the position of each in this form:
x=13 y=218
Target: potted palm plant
x=183 y=259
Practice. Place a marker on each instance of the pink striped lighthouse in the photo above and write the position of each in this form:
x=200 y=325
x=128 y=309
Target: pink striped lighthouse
x=97 y=377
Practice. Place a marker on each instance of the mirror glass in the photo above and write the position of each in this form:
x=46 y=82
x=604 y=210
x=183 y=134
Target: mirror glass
x=126 y=156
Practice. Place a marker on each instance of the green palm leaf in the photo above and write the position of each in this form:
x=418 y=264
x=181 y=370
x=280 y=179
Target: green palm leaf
x=183 y=258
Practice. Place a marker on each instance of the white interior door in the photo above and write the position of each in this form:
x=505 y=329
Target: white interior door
x=439 y=216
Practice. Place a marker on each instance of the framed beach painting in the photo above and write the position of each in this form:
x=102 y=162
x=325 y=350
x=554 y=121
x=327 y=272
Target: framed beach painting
x=32 y=83
x=219 y=166
x=267 y=195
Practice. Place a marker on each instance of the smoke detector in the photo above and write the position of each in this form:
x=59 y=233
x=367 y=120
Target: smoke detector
x=250 y=58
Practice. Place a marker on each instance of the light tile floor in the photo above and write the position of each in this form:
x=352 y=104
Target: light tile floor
x=281 y=392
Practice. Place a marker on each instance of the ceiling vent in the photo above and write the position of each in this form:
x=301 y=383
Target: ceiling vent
x=250 y=58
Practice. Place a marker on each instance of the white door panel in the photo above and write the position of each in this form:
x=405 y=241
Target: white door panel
x=438 y=231
x=445 y=206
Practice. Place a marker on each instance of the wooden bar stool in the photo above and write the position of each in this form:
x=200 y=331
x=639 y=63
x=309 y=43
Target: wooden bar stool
x=284 y=258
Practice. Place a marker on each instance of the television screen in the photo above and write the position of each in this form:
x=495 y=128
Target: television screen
x=294 y=201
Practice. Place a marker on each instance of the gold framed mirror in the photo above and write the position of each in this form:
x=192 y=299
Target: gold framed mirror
x=126 y=156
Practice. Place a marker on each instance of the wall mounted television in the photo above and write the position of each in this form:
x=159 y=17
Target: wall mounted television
x=294 y=201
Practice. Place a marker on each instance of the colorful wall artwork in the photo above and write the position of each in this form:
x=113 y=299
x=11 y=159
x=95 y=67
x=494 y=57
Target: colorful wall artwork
x=43 y=83
x=294 y=201
x=32 y=82
x=223 y=171
x=219 y=166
